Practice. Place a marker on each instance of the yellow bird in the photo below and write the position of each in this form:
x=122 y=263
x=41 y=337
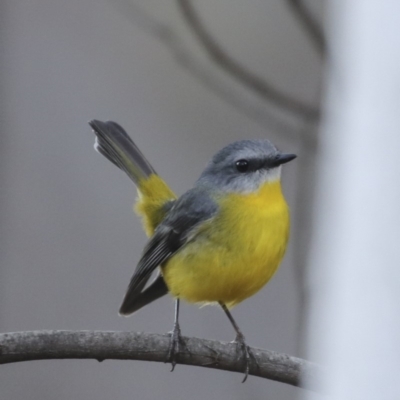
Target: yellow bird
x=220 y=242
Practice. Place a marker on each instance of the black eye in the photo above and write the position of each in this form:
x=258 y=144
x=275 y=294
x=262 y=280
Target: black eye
x=242 y=165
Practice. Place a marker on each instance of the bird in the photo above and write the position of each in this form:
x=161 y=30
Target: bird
x=218 y=243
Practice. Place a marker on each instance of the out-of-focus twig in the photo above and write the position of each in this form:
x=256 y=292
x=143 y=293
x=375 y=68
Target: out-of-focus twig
x=310 y=25
x=164 y=33
x=242 y=74
x=46 y=345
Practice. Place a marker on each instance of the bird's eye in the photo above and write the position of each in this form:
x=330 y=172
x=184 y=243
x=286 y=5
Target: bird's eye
x=242 y=165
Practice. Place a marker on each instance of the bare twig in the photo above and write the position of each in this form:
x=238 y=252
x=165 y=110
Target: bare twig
x=240 y=73
x=184 y=57
x=310 y=25
x=44 y=345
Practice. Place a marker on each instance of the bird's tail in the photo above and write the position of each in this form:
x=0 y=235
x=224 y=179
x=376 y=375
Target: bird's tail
x=155 y=197
x=115 y=144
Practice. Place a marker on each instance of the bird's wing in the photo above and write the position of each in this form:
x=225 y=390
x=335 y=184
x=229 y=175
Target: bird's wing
x=181 y=224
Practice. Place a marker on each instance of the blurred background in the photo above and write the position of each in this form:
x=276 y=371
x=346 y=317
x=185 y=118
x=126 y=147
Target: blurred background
x=69 y=239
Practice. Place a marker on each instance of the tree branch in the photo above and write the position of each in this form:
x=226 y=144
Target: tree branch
x=310 y=25
x=45 y=345
x=184 y=57
x=240 y=73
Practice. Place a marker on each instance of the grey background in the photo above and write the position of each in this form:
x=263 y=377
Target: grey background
x=69 y=240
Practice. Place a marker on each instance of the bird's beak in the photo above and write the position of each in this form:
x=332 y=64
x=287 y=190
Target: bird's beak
x=283 y=159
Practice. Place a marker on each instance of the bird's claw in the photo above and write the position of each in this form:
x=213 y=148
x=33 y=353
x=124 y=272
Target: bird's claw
x=174 y=345
x=246 y=352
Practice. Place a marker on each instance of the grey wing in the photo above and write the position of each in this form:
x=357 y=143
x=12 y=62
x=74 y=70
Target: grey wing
x=186 y=215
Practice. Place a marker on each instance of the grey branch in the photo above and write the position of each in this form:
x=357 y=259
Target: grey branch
x=45 y=345
x=239 y=72
x=184 y=57
x=310 y=25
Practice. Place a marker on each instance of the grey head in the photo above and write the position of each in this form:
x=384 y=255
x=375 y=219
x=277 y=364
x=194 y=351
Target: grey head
x=244 y=166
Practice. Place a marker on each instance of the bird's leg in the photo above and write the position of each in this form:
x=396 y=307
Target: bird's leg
x=240 y=340
x=174 y=345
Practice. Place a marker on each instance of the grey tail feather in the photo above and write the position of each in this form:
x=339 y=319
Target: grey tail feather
x=133 y=302
x=115 y=144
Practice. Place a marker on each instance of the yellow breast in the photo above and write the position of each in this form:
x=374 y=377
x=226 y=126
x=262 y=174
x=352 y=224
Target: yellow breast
x=236 y=253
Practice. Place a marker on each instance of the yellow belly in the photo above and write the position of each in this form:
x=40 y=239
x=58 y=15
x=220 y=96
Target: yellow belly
x=237 y=253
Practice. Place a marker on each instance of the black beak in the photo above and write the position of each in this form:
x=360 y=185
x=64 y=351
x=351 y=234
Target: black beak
x=281 y=159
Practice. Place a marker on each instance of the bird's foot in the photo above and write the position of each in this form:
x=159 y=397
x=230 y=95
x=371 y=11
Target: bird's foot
x=174 y=345
x=246 y=353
